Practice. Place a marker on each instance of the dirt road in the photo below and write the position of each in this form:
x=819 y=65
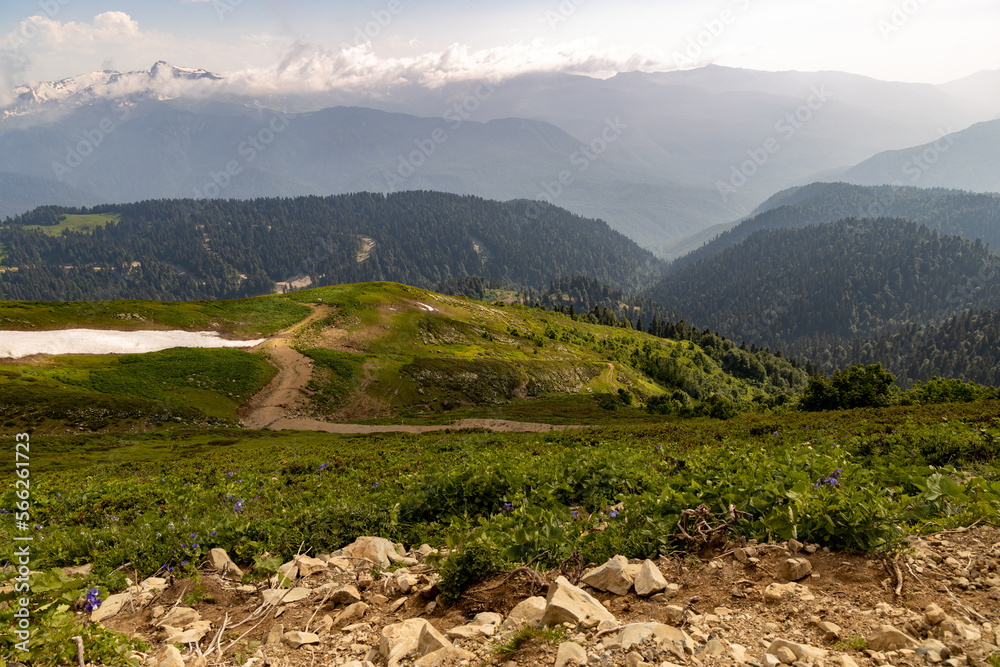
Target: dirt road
x=276 y=406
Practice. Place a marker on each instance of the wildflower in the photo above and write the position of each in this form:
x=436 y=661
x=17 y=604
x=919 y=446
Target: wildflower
x=612 y=513
x=238 y=507
x=833 y=481
x=229 y=475
x=3 y=511
x=184 y=563
x=836 y=473
x=194 y=535
x=184 y=546
x=93 y=600
x=194 y=546
x=213 y=533
x=375 y=485
x=38 y=527
x=506 y=507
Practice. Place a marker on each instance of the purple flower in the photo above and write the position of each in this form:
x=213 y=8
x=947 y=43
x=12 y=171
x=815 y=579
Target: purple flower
x=213 y=533
x=229 y=475
x=194 y=546
x=93 y=600
x=184 y=546
x=194 y=535
x=184 y=563
x=506 y=507
x=612 y=513
x=836 y=473
x=833 y=481
x=238 y=507
x=38 y=527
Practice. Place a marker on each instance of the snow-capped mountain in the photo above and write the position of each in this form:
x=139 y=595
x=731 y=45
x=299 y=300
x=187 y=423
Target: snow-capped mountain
x=161 y=81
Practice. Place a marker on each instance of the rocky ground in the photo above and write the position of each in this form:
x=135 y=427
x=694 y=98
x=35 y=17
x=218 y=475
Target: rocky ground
x=793 y=604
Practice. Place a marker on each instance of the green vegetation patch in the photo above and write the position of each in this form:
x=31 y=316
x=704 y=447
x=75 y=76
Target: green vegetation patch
x=334 y=377
x=76 y=223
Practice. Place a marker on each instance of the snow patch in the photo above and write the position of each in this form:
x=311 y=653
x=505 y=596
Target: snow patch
x=17 y=344
x=425 y=307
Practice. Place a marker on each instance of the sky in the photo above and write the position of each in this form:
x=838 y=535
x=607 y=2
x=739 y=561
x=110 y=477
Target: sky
x=322 y=44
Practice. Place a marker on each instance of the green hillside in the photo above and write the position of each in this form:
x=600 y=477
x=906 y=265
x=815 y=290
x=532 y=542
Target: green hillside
x=378 y=352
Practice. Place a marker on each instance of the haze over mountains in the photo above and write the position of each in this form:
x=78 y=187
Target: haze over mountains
x=646 y=152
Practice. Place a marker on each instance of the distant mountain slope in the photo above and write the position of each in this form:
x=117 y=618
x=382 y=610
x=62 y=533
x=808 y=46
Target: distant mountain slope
x=972 y=216
x=185 y=249
x=845 y=279
x=19 y=193
x=966 y=160
x=963 y=346
x=645 y=151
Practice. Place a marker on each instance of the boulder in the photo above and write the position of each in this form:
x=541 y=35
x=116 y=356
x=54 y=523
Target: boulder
x=799 y=652
x=351 y=613
x=282 y=596
x=570 y=654
x=169 y=656
x=934 y=615
x=566 y=603
x=888 y=638
x=376 y=550
x=221 y=563
x=109 y=607
x=193 y=634
x=612 y=577
x=308 y=565
x=527 y=612
x=446 y=657
x=412 y=635
x=649 y=580
x=796 y=569
x=178 y=617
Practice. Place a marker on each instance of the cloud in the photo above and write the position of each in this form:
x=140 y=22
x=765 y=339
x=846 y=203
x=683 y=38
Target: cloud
x=306 y=67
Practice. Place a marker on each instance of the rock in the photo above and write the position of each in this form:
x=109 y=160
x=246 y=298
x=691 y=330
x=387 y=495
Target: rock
x=799 y=652
x=169 y=656
x=223 y=564
x=286 y=573
x=351 y=614
x=446 y=657
x=934 y=615
x=274 y=635
x=740 y=554
x=406 y=581
x=297 y=638
x=488 y=618
x=795 y=546
x=778 y=592
x=784 y=655
x=634 y=659
x=178 y=617
x=194 y=634
x=324 y=624
x=109 y=607
x=673 y=613
x=344 y=595
x=308 y=565
x=570 y=653
x=888 y=638
x=431 y=640
x=795 y=569
x=376 y=550
x=846 y=661
x=79 y=570
x=400 y=639
x=470 y=631
x=286 y=596
x=831 y=631
x=649 y=580
x=567 y=603
x=527 y=612
x=612 y=577
x=672 y=639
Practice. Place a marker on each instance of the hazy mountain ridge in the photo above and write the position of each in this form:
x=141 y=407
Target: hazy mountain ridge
x=656 y=175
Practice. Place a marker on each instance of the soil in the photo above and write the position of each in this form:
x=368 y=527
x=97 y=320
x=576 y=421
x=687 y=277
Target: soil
x=725 y=597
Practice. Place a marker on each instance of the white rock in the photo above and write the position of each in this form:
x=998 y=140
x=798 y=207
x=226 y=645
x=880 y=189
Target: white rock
x=570 y=653
x=169 y=656
x=649 y=580
x=376 y=550
x=274 y=596
x=526 y=612
x=308 y=565
x=109 y=607
x=612 y=577
x=297 y=638
x=401 y=639
x=222 y=563
x=567 y=603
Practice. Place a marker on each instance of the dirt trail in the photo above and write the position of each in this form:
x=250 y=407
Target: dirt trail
x=275 y=406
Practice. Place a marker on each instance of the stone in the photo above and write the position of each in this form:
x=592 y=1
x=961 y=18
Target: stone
x=934 y=615
x=401 y=639
x=446 y=657
x=351 y=614
x=846 y=661
x=324 y=624
x=634 y=659
x=527 y=612
x=178 y=617
x=223 y=564
x=109 y=607
x=193 y=634
x=274 y=635
x=740 y=554
x=570 y=653
x=469 y=631
x=345 y=595
x=376 y=550
x=795 y=546
x=297 y=638
x=286 y=596
x=488 y=618
x=795 y=569
x=169 y=656
x=800 y=652
x=287 y=573
x=406 y=581
x=779 y=592
x=566 y=603
x=649 y=580
x=612 y=577
x=79 y=570
x=784 y=655
x=431 y=640
x=888 y=638
x=831 y=631
x=308 y=565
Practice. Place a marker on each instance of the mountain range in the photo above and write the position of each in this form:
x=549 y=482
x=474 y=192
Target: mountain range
x=659 y=156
